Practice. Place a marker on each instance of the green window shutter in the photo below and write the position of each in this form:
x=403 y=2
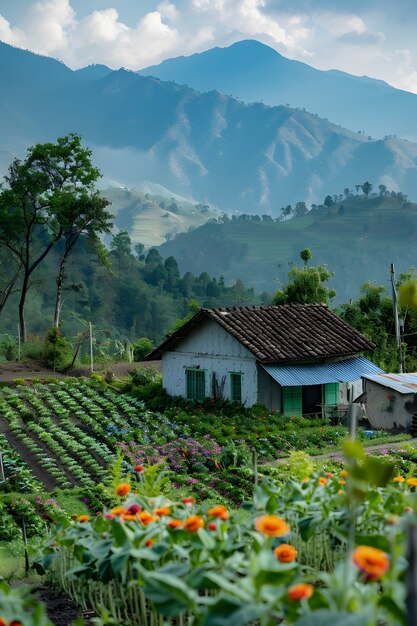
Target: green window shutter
x=195 y=384
x=292 y=401
x=331 y=393
x=235 y=387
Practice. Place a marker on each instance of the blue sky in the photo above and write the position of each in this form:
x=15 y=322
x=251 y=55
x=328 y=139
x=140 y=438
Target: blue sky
x=371 y=37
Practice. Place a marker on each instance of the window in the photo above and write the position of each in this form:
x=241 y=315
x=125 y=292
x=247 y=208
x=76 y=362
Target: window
x=196 y=384
x=235 y=387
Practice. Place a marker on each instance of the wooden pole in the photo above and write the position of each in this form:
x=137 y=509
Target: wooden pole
x=2 y=477
x=18 y=342
x=411 y=576
x=26 y=546
x=255 y=467
x=91 y=347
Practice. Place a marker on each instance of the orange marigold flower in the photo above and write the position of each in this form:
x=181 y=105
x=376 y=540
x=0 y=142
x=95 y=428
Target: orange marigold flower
x=212 y=526
x=174 y=523
x=322 y=480
x=83 y=518
x=162 y=511
x=193 y=523
x=149 y=543
x=398 y=479
x=119 y=510
x=412 y=482
x=340 y=492
x=344 y=473
x=300 y=591
x=188 y=500
x=342 y=482
x=372 y=561
x=272 y=526
x=130 y=517
x=285 y=553
x=139 y=468
x=218 y=511
x=146 y=517
x=122 y=489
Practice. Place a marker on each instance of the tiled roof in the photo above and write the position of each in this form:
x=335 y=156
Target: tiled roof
x=280 y=333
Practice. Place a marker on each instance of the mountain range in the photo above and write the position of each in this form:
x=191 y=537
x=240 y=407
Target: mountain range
x=254 y=72
x=209 y=147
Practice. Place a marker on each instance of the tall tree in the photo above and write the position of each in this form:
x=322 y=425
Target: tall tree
x=367 y=188
x=33 y=203
x=306 y=285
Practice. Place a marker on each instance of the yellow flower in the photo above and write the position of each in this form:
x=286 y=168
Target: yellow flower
x=342 y=482
x=398 y=479
x=83 y=518
x=412 y=482
x=344 y=473
x=272 y=526
x=322 y=480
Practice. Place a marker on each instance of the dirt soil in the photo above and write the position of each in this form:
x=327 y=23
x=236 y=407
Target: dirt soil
x=9 y=370
x=62 y=611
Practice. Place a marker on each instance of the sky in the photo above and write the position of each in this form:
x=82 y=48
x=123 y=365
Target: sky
x=363 y=37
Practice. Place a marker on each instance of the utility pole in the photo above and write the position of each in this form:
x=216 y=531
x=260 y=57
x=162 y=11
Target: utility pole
x=396 y=320
x=91 y=347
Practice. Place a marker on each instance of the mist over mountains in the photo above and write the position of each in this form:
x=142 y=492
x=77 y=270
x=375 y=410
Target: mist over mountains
x=206 y=146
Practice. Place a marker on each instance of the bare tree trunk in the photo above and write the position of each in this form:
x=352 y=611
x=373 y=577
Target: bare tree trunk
x=58 y=298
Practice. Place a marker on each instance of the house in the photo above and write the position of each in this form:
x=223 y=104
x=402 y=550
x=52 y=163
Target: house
x=291 y=358
x=391 y=401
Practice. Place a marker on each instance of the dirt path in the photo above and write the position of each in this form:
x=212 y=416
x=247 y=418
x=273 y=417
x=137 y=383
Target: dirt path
x=337 y=454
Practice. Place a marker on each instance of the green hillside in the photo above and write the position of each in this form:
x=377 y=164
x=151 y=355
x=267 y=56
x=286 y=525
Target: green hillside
x=153 y=219
x=357 y=238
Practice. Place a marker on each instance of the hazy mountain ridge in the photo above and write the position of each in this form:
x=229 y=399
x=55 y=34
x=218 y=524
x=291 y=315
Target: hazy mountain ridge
x=239 y=157
x=252 y=71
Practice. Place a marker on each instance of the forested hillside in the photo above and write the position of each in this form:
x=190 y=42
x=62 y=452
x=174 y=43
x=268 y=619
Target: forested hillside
x=355 y=235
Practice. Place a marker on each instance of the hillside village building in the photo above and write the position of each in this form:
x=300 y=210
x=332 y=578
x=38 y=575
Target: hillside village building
x=296 y=359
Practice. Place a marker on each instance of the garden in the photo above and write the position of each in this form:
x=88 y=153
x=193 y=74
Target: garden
x=201 y=514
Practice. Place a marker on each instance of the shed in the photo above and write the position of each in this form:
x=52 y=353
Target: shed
x=391 y=400
x=296 y=359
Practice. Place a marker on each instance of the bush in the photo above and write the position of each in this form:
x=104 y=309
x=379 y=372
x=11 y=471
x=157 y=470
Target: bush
x=8 y=348
x=57 y=350
x=141 y=348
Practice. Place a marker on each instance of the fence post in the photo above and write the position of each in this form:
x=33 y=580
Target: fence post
x=411 y=577
x=255 y=466
x=26 y=545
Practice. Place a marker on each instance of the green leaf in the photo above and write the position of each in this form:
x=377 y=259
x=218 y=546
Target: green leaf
x=375 y=541
x=307 y=527
x=352 y=449
x=334 y=618
x=208 y=542
x=170 y=595
x=378 y=471
x=392 y=607
x=227 y=611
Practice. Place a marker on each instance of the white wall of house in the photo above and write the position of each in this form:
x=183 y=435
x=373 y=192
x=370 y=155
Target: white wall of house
x=385 y=412
x=210 y=348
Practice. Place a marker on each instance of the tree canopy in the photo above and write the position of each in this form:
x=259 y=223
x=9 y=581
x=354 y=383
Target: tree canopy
x=306 y=285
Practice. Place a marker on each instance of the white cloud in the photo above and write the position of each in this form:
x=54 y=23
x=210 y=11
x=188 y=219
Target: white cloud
x=14 y=36
x=48 y=24
x=406 y=72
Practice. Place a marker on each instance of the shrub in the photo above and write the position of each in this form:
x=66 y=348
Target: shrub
x=58 y=350
x=8 y=348
x=141 y=348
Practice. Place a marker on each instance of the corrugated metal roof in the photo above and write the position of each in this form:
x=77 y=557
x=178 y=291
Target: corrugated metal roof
x=321 y=373
x=403 y=383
